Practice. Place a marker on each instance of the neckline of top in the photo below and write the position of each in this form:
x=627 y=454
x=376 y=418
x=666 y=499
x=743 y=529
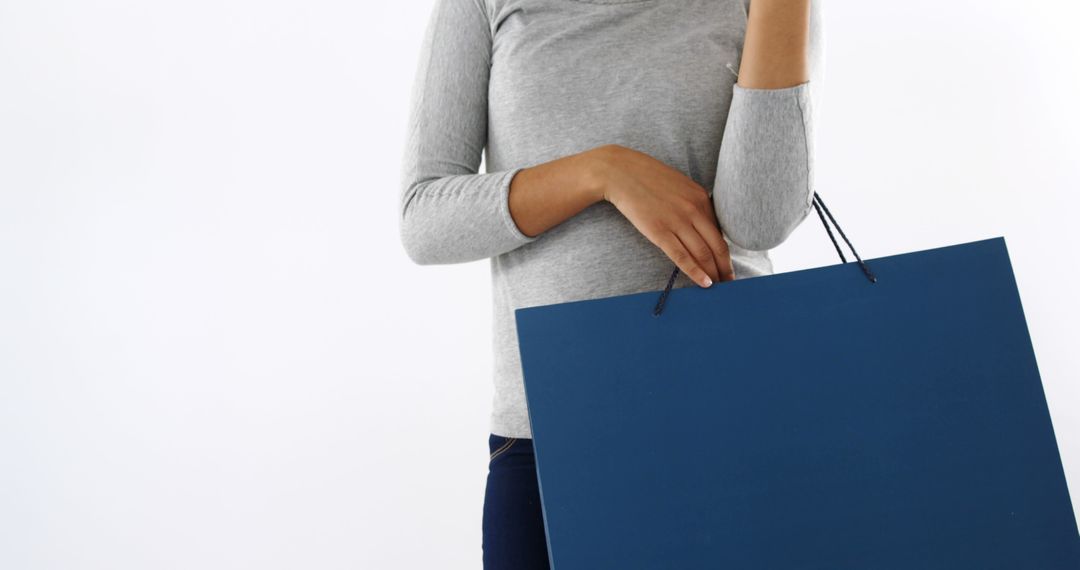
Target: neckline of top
x=611 y=1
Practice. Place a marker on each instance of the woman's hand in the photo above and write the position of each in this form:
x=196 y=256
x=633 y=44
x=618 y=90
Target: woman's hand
x=668 y=208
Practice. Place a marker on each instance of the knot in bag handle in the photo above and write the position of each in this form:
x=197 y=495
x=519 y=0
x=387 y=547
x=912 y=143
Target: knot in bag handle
x=819 y=205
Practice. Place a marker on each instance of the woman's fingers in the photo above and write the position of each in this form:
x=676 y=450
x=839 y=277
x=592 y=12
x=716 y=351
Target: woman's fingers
x=702 y=251
x=684 y=260
x=715 y=238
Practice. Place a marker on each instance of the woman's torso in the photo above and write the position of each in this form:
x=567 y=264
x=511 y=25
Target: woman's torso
x=570 y=75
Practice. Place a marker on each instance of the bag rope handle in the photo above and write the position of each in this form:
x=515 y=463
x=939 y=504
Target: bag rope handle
x=819 y=205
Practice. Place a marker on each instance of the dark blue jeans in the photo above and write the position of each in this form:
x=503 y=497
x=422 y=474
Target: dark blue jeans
x=513 y=535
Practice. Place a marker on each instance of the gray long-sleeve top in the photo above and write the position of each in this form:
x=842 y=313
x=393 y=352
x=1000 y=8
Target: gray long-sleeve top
x=535 y=80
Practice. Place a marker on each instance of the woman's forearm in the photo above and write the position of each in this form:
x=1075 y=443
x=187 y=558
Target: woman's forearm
x=775 y=47
x=547 y=194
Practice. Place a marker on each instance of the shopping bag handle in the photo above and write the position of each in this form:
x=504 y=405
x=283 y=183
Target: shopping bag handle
x=819 y=205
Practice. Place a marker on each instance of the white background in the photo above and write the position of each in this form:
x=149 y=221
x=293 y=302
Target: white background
x=214 y=352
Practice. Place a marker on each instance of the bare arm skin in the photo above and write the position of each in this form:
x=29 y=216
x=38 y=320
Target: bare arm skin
x=665 y=205
x=543 y=196
x=775 y=48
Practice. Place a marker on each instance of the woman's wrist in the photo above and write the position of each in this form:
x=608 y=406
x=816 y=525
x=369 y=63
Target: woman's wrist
x=595 y=171
x=544 y=195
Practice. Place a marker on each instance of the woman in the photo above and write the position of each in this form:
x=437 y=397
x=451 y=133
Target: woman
x=617 y=144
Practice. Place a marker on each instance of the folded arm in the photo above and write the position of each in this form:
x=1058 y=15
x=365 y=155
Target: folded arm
x=450 y=213
x=765 y=177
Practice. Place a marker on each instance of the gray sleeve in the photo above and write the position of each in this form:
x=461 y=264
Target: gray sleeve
x=765 y=174
x=449 y=213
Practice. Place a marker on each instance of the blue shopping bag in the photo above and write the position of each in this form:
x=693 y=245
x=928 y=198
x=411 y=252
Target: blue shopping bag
x=880 y=414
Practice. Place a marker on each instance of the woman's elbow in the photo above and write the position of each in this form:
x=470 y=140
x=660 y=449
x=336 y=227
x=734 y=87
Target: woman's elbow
x=758 y=218
x=416 y=246
x=415 y=236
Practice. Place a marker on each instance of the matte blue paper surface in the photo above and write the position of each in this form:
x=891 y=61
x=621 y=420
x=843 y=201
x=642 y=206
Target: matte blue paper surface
x=802 y=420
